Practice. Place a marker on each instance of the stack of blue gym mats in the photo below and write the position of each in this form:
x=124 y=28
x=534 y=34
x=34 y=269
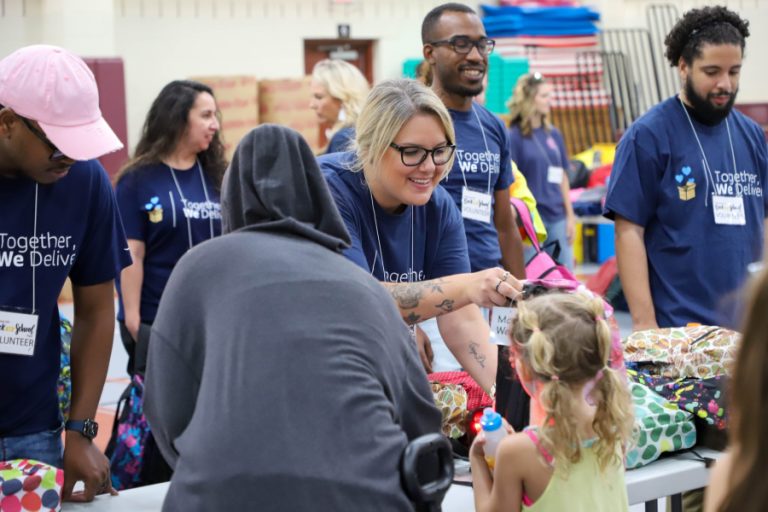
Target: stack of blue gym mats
x=539 y=21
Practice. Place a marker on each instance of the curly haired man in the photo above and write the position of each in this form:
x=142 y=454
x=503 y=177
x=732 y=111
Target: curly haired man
x=686 y=190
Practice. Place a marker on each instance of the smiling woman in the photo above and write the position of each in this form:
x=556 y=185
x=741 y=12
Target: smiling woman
x=406 y=230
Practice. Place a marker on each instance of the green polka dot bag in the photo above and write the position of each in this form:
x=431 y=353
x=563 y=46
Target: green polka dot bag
x=660 y=427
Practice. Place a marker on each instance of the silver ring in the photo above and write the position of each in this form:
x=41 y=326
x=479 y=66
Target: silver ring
x=505 y=276
x=497 y=286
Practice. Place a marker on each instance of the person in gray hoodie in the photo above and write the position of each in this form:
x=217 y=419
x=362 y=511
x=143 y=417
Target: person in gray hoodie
x=280 y=375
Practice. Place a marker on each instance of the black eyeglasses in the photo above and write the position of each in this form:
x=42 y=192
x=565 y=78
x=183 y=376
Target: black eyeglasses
x=56 y=155
x=411 y=156
x=464 y=45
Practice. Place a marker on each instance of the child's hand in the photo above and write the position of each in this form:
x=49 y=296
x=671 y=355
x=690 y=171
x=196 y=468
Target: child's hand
x=476 y=450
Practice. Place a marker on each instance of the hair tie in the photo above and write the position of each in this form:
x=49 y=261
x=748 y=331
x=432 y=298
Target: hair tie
x=554 y=378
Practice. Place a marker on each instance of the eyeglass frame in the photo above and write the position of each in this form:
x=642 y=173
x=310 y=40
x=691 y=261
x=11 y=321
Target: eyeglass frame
x=56 y=154
x=490 y=43
x=426 y=151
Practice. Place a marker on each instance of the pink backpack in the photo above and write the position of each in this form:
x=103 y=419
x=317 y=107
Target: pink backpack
x=541 y=266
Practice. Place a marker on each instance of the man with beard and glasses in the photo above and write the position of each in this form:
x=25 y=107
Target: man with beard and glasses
x=687 y=188
x=457 y=48
x=58 y=219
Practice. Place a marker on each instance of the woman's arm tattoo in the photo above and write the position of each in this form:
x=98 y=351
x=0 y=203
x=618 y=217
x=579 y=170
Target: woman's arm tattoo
x=480 y=358
x=407 y=295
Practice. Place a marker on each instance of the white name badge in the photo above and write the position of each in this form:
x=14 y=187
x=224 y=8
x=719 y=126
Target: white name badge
x=476 y=205
x=555 y=174
x=17 y=333
x=729 y=210
x=501 y=323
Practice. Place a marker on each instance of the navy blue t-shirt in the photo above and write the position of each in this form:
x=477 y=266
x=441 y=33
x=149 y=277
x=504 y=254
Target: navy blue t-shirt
x=341 y=140
x=79 y=234
x=659 y=182
x=439 y=246
x=533 y=156
x=475 y=164
x=168 y=223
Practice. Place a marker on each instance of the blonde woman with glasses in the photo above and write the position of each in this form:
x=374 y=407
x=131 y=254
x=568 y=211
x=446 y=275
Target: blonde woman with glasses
x=406 y=231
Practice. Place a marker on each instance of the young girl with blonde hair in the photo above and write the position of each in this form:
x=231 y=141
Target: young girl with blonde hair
x=571 y=457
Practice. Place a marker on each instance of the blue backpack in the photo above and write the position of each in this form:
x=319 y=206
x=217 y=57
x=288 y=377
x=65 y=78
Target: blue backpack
x=129 y=437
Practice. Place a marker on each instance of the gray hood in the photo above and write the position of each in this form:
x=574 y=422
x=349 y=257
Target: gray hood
x=274 y=184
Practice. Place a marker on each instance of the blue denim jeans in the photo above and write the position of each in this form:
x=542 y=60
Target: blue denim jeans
x=43 y=446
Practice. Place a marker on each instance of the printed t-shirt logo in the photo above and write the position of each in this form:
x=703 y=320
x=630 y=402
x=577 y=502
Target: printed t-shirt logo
x=686 y=184
x=154 y=210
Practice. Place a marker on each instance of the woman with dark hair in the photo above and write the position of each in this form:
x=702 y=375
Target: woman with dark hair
x=538 y=149
x=168 y=195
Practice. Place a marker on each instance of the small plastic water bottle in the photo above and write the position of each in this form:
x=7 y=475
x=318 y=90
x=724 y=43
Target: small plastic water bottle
x=494 y=433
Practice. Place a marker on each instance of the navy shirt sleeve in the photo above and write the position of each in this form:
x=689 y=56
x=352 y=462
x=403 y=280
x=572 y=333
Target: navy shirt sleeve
x=634 y=181
x=104 y=250
x=453 y=255
x=341 y=140
x=506 y=178
x=355 y=251
x=127 y=198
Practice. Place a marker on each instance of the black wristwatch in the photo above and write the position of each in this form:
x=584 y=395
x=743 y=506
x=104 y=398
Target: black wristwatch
x=88 y=428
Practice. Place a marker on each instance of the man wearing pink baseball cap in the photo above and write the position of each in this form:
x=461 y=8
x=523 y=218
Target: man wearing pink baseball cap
x=58 y=219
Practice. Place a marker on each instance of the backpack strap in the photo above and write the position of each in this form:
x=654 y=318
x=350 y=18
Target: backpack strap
x=532 y=433
x=120 y=412
x=524 y=214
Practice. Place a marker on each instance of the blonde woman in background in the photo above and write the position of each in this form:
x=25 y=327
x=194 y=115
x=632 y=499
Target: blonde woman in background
x=539 y=151
x=339 y=90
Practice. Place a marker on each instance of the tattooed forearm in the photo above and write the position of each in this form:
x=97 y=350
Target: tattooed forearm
x=480 y=358
x=446 y=305
x=412 y=318
x=407 y=295
x=434 y=285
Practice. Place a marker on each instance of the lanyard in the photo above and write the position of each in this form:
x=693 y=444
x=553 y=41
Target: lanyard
x=487 y=153
x=378 y=240
x=411 y=328
x=184 y=200
x=544 y=150
x=705 y=162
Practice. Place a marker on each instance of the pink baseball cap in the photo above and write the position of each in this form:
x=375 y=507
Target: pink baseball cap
x=54 y=87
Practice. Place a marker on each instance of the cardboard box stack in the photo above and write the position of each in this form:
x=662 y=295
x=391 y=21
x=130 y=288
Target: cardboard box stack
x=245 y=102
x=286 y=102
